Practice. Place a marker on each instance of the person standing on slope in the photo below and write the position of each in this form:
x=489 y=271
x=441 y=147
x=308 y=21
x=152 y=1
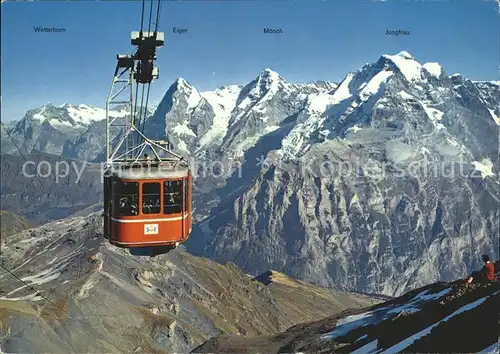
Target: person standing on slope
x=486 y=274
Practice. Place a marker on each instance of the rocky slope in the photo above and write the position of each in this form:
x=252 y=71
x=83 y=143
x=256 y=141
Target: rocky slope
x=11 y=223
x=49 y=187
x=431 y=319
x=388 y=183
x=69 y=291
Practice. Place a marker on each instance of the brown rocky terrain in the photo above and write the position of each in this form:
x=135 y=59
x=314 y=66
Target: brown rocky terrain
x=441 y=317
x=64 y=289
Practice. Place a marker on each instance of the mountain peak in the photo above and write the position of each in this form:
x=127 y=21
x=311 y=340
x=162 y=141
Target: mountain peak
x=269 y=74
x=47 y=105
x=182 y=83
x=268 y=79
x=187 y=92
x=404 y=54
x=406 y=64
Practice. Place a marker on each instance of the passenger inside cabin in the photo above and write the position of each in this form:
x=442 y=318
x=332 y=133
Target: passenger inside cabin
x=151 y=206
x=128 y=206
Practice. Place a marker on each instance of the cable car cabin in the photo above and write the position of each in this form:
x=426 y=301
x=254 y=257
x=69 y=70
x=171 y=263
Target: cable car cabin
x=147 y=210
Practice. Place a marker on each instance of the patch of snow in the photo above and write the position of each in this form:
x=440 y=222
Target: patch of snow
x=397 y=348
x=183 y=129
x=485 y=167
x=342 y=92
x=57 y=123
x=375 y=84
x=354 y=129
x=361 y=338
x=41 y=278
x=193 y=97
x=85 y=115
x=349 y=323
x=404 y=54
x=424 y=296
x=368 y=348
x=432 y=113
x=39 y=117
x=247 y=101
x=223 y=102
x=182 y=146
x=412 y=305
x=405 y=96
x=410 y=68
x=494 y=116
x=29 y=240
x=32 y=297
x=433 y=68
x=492 y=349
x=319 y=103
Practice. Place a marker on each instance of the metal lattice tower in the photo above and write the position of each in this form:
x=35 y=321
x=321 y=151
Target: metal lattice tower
x=131 y=72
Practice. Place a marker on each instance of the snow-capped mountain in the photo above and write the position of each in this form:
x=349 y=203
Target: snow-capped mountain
x=201 y=124
x=345 y=185
x=231 y=119
x=50 y=128
x=384 y=184
x=399 y=79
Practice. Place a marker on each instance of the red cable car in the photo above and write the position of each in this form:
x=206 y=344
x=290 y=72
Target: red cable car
x=148 y=208
x=147 y=203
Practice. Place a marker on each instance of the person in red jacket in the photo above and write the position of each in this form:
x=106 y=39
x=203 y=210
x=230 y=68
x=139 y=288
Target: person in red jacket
x=486 y=274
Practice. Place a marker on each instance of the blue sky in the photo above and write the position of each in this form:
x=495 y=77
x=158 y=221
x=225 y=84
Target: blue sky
x=225 y=43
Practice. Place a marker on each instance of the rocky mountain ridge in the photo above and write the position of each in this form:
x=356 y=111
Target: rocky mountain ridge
x=392 y=173
x=388 y=183
x=425 y=320
x=68 y=290
x=48 y=187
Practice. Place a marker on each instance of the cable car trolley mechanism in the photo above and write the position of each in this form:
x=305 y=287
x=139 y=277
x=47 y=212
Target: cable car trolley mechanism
x=147 y=187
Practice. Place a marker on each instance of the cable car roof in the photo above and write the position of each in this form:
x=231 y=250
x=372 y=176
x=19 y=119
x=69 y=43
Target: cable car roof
x=148 y=170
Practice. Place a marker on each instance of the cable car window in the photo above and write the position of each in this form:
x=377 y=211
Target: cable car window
x=151 y=198
x=186 y=201
x=129 y=198
x=172 y=192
